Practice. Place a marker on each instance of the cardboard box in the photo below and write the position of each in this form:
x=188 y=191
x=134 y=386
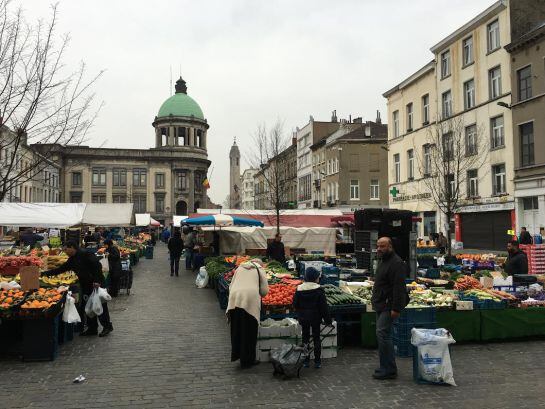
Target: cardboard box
x=487 y=282
x=464 y=305
x=499 y=281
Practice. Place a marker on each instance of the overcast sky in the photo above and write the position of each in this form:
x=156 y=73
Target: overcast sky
x=248 y=62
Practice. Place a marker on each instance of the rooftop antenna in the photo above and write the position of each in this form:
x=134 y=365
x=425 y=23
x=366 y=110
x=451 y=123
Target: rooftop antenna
x=170 y=87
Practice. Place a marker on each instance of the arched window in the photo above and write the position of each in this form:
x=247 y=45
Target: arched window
x=181 y=136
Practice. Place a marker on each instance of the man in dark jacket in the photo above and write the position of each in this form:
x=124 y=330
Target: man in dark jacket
x=29 y=238
x=525 y=236
x=89 y=271
x=275 y=249
x=114 y=267
x=517 y=262
x=389 y=299
x=175 y=248
x=310 y=304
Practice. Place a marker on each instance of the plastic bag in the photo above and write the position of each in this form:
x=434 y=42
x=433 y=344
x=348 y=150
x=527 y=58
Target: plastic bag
x=103 y=294
x=70 y=313
x=94 y=305
x=433 y=356
x=202 y=278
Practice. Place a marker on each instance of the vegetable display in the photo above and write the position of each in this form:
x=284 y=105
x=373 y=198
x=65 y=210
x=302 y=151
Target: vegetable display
x=467 y=283
x=365 y=293
x=335 y=296
x=280 y=295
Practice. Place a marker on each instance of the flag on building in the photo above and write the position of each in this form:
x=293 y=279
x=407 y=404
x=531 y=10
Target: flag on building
x=206 y=183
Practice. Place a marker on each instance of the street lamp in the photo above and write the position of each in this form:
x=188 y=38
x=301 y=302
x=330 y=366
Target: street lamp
x=504 y=104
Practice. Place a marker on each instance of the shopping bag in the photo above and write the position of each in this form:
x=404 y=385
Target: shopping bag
x=94 y=305
x=202 y=278
x=104 y=296
x=433 y=358
x=70 y=313
x=105 y=265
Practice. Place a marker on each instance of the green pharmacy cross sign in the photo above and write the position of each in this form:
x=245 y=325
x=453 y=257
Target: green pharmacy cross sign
x=394 y=191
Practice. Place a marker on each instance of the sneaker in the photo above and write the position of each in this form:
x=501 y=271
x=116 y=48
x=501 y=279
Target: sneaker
x=106 y=331
x=306 y=363
x=317 y=364
x=88 y=333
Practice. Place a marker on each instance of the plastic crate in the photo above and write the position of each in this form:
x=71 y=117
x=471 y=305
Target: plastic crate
x=489 y=305
x=41 y=339
x=402 y=337
x=432 y=273
x=417 y=315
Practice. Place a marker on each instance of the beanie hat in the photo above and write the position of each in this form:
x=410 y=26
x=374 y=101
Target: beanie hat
x=311 y=274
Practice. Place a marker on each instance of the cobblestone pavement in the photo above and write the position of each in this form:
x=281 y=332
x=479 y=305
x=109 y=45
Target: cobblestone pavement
x=170 y=348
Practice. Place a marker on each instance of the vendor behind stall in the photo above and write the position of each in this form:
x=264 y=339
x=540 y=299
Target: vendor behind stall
x=517 y=262
x=89 y=271
x=275 y=249
x=29 y=238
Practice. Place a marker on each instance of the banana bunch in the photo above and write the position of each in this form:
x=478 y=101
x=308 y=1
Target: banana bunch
x=55 y=261
x=67 y=278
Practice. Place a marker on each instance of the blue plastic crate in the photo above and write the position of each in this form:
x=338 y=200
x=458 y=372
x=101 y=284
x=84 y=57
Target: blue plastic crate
x=432 y=273
x=402 y=337
x=417 y=315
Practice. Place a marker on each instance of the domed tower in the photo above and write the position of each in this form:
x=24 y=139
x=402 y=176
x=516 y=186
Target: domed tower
x=181 y=135
x=234 y=176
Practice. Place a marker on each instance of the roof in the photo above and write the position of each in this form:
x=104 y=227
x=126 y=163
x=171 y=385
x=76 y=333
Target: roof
x=470 y=25
x=412 y=78
x=526 y=39
x=180 y=104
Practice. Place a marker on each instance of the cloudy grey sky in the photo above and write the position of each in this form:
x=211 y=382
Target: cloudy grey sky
x=248 y=62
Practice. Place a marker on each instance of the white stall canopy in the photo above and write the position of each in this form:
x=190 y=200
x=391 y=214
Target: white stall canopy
x=63 y=215
x=145 y=219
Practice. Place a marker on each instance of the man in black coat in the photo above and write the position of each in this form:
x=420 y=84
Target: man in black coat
x=114 y=266
x=175 y=248
x=517 y=262
x=89 y=271
x=389 y=299
x=525 y=236
x=275 y=249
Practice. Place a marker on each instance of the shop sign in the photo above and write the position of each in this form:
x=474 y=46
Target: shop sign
x=418 y=196
x=489 y=207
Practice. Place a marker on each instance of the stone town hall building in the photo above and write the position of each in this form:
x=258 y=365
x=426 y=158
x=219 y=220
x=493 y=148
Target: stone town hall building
x=165 y=180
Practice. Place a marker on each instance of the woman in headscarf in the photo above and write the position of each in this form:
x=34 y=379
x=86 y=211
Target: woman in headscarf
x=248 y=285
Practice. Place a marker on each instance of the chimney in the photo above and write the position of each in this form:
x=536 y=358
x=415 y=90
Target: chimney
x=378 y=121
x=334 y=116
x=350 y=118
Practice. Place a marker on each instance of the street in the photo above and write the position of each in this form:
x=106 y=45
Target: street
x=170 y=348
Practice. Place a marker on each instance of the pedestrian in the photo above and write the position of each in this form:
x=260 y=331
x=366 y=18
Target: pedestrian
x=97 y=236
x=525 y=236
x=175 y=248
x=389 y=298
x=114 y=267
x=441 y=243
x=89 y=271
x=88 y=238
x=29 y=238
x=248 y=285
x=517 y=262
x=165 y=235
x=310 y=304
x=275 y=249
x=189 y=245
x=153 y=238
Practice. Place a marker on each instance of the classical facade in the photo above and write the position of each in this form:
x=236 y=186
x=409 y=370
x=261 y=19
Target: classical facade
x=349 y=167
x=248 y=190
x=469 y=81
x=25 y=174
x=165 y=180
x=528 y=109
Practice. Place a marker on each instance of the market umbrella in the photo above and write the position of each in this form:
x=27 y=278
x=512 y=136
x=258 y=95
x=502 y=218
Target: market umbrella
x=221 y=220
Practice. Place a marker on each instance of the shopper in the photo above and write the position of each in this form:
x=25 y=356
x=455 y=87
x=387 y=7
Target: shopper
x=310 y=304
x=165 y=235
x=189 y=245
x=29 y=238
x=517 y=262
x=525 y=236
x=88 y=238
x=389 y=298
x=114 y=267
x=175 y=248
x=89 y=271
x=441 y=243
x=275 y=249
x=248 y=285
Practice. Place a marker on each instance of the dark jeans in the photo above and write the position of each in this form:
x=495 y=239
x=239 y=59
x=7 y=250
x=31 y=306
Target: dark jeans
x=114 y=286
x=188 y=259
x=307 y=325
x=92 y=323
x=174 y=265
x=385 y=342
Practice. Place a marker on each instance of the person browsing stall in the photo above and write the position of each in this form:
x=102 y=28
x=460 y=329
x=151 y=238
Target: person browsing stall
x=517 y=262
x=89 y=271
x=114 y=267
x=389 y=298
x=310 y=303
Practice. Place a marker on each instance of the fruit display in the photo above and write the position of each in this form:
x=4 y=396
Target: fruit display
x=67 y=278
x=10 y=298
x=336 y=296
x=237 y=260
x=42 y=299
x=279 y=295
x=467 y=283
x=7 y=279
x=19 y=261
x=55 y=261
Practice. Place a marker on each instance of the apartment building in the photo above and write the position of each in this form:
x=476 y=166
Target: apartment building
x=528 y=110
x=468 y=80
x=248 y=190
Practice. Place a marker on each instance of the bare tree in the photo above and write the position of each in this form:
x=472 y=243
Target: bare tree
x=451 y=157
x=42 y=101
x=270 y=155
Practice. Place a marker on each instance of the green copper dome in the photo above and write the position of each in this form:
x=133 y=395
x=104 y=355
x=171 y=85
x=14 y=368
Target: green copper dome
x=180 y=104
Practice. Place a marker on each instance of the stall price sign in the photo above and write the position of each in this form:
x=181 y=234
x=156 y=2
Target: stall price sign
x=30 y=277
